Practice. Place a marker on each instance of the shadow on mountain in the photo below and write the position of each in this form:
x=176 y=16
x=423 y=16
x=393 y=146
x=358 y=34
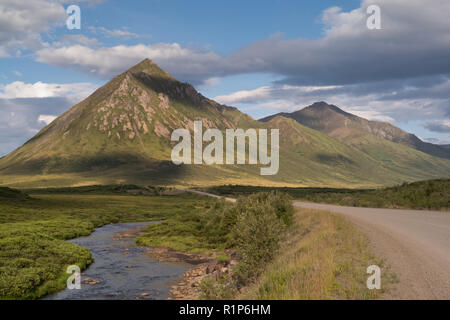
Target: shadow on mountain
x=114 y=167
x=333 y=159
x=180 y=92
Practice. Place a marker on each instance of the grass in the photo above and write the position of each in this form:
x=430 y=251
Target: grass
x=428 y=194
x=33 y=252
x=178 y=233
x=186 y=231
x=323 y=257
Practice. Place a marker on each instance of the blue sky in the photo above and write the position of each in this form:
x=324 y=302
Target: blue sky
x=260 y=56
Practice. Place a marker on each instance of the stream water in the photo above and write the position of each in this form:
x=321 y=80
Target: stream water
x=120 y=269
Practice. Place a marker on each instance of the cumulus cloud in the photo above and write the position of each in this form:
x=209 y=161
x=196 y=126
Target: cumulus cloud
x=438 y=126
x=391 y=101
x=71 y=39
x=414 y=41
x=274 y=92
x=121 y=33
x=19 y=89
x=109 y=61
x=22 y=22
x=445 y=141
x=46 y=118
x=27 y=107
x=21 y=118
x=403 y=65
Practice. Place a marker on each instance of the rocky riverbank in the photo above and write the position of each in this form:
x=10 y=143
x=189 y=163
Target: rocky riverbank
x=188 y=286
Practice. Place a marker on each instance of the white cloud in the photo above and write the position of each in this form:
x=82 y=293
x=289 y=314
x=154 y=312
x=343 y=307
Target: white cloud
x=212 y=81
x=243 y=96
x=372 y=115
x=414 y=41
x=121 y=33
x=436 y=140
x=27 y=107
x=19 y=119
x=22 y=22
x=371 y=101
x=438 y=126
x=71 y=39
x=273 y=92
x=109 y=61
x=46 y=118
x=19 y=89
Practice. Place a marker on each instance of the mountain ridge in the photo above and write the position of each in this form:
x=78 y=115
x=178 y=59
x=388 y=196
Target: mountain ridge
x=121 y=134
x=332 y=120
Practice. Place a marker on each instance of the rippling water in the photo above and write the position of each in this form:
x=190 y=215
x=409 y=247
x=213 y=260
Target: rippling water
x=123 y=270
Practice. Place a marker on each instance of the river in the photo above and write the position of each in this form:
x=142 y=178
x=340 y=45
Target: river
x=120 y=269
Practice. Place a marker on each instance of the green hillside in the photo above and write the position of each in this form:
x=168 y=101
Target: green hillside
x=348 y=128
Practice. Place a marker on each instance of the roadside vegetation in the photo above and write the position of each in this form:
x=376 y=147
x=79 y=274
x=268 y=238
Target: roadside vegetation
x=322 y=257
x=429 y=194
x=310 y=255
x=33 y=252
x=253 y=227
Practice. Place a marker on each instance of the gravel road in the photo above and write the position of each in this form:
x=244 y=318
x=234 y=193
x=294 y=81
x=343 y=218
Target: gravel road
x=415 y=243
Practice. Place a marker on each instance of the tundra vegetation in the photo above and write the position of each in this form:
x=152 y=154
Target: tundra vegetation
x=278 y=249
x=428 y=194
x=33 y=228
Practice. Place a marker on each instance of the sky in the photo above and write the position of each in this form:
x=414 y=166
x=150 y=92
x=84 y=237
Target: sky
x=262 y=57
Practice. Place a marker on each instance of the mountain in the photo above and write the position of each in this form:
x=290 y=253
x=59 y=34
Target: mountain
x=121 y=134
x=348 y=127
x=120 y=131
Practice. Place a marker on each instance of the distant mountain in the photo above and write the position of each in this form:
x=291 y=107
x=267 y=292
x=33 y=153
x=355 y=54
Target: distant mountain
x=121 y=134
x=349 y=128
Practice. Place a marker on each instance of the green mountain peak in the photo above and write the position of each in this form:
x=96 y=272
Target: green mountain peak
x=352 y=129
x=150 y=68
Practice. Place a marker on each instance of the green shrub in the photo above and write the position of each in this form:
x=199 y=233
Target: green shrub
x=213 y=289
x=257 y=233
x=218 y=222
x=428 y=194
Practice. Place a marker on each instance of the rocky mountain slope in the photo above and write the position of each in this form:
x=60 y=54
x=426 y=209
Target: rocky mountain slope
x=121 y=134
x=348 y=127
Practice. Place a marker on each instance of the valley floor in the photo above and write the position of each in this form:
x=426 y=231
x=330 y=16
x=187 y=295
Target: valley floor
x=322 y=256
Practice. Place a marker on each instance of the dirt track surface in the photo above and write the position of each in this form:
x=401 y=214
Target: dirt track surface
x=415 y=243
